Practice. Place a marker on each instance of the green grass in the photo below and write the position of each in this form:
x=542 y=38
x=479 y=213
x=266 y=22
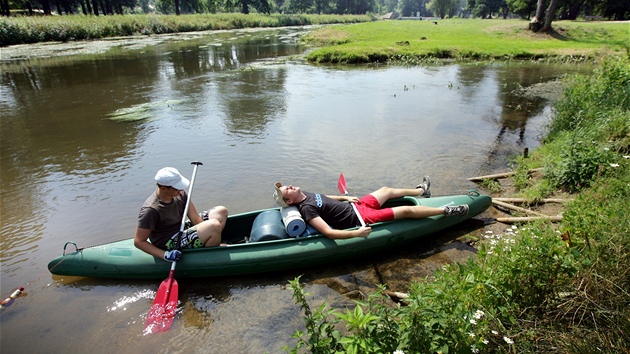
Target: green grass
x=466 y=39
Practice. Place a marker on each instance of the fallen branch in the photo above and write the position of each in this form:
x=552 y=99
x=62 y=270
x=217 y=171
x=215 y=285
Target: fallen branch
x=500 y=175
x=523 y=200
x=514 y=207
x=512 y=220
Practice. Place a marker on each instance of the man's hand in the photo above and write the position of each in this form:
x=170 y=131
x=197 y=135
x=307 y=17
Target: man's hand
x=172 y=256
x=364 y=231
x=352 y=199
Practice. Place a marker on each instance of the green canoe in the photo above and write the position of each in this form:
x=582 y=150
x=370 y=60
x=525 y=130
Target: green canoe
x=241 y=256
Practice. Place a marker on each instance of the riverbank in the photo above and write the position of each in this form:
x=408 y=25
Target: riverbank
x=28 y=30
x=417 y=42
x=532 y=287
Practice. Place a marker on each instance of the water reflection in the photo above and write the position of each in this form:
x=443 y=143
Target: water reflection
x=83 y=135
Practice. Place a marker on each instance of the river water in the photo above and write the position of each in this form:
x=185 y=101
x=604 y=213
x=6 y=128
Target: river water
x=83 y=133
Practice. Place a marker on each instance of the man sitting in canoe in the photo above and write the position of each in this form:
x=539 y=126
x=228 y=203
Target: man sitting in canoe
x=332 y=217
x=161 y=216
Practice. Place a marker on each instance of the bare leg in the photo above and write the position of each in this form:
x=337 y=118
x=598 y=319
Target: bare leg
x=385 y=193
x=210 y=230
x=415 y=212
x=218 y=213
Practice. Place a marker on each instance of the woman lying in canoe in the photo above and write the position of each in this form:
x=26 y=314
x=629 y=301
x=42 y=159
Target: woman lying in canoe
x=332 y=217
x=161 y=215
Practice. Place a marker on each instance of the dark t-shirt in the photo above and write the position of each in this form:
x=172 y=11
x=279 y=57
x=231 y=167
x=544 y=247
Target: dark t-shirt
x=339 y=215
x=164 y=220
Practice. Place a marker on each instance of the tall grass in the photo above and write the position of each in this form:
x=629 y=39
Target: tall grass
x=533 y=289
x=25 y=30
x=416 y=41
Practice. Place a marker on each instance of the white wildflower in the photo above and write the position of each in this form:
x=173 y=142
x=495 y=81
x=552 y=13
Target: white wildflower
x=494 y=332
x=614 y=165
x=626 y=156
x=485 y=341
x=478 y=314
x=474 y=349
x=398 y=352
x=508 y=340
x=471 y=335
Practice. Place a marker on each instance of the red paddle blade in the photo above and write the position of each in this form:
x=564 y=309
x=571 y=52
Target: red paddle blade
x=162 y=311
x=341 y=184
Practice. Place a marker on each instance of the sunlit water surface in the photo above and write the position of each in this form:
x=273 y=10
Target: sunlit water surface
x=82 y=137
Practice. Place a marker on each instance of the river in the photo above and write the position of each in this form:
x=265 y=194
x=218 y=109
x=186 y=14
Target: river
x=86 y=125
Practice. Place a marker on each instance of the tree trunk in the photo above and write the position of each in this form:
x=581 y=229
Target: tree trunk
x=535 y=24
x=95 y=6
x=551 y=12
x=46 y=7
x=6 y=10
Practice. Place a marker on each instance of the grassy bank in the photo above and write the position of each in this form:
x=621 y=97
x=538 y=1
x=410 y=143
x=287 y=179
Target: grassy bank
x=25 y=30
x=540 y=287
x=416 y=41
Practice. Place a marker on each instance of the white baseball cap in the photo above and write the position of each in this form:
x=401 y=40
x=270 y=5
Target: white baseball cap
x=170 y=177
x=277 y=195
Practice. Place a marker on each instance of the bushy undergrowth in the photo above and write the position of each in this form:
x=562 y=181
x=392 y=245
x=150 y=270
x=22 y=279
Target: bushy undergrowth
x=536 y=288
x=25 y=30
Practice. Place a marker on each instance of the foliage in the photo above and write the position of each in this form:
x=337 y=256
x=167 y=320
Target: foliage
x=532 y=289
x=580 y=108
x=586 y=137
x=579 y=164
x=491 y=184
x=323 y=337
x=444 y=8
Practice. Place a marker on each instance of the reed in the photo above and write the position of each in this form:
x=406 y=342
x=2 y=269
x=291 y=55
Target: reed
x=25 y=30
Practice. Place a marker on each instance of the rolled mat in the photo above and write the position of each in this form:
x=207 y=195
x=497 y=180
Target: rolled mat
x=292 y=220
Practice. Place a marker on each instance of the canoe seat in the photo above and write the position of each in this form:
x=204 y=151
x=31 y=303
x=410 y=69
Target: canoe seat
x=268 y=226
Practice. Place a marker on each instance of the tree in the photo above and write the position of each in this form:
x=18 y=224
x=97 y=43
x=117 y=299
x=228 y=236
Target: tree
x=443 y=8
x=523 y=8
x=485 y=8
x=260 y=5
x=543 y=18
x=4 y=6
x=410 y=7
x=615 y=9
x=300 y=6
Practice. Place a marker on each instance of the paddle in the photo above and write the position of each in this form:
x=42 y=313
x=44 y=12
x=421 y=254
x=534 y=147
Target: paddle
x=341 y=185
x=162 y=311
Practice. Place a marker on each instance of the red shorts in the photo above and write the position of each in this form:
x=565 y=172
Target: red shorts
x=371 y=211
